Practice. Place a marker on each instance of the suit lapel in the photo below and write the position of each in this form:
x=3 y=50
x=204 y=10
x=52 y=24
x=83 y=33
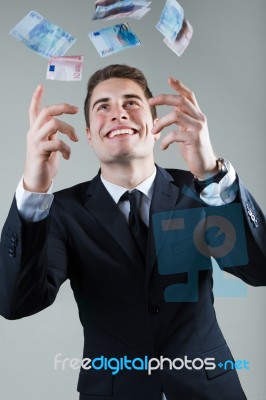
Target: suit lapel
x=165 y=196
x=102 y=207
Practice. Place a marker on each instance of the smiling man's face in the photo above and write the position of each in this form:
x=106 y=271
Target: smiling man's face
x=120 y=122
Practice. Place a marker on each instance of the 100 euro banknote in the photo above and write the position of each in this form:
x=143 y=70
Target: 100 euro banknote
x=42 y=36
x=113 y=39
x=65 y=68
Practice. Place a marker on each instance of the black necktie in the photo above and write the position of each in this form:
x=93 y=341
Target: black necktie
x=137 y=227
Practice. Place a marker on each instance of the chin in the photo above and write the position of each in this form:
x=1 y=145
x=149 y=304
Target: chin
x=122 y=158
x=123 y=154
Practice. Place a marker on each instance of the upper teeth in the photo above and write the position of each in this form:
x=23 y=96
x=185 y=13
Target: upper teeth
x=121 y=132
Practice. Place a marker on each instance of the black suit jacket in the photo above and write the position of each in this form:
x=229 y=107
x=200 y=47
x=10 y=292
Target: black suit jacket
x=122 y=303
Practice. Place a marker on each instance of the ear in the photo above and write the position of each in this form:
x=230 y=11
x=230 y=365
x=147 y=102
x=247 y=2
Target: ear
x=88 y=134
x=157 y=135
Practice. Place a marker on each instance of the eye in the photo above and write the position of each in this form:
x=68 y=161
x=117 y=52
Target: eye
x=131 y=103
x=102 y=107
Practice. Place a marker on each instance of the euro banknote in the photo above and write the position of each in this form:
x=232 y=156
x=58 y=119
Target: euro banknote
x=121 y=9
x=113 y=39
x=179 y=45
x=65 y=68
x=42 y=36
x=171 y=20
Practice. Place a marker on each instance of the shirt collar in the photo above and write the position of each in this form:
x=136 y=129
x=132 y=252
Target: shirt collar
x=116 y=191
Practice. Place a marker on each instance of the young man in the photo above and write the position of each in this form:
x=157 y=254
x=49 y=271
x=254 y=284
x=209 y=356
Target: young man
x=132 y=305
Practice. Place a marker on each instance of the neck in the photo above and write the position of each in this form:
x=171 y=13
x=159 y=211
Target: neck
x=128 y=175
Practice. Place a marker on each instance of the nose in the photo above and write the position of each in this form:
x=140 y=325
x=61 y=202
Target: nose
x=119 y=113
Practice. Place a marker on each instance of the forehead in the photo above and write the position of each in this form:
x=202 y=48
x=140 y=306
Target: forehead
x=116 y=87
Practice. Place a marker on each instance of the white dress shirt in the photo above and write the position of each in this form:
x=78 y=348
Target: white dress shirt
x=146 y=188
x=34 y=207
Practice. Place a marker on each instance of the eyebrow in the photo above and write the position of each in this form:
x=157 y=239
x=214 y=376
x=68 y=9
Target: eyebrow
x=125 y=96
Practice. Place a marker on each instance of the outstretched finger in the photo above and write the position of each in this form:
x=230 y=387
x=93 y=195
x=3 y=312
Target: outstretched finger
x=184 y=90
x=178 y=136
x=177 y=117
x=35 y=104
x=57 y=145
x=52 y=111
x=49 y=130
x=179 y=102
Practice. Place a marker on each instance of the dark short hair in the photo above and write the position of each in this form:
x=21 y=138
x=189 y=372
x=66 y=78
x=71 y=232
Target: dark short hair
x=117 y=71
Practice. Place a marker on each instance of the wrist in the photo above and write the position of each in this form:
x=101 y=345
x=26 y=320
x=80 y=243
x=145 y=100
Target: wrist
x=209 y=169
x=34 y=188
x=220 y=171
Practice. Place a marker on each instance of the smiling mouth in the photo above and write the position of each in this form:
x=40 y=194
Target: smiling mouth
x=119 y=132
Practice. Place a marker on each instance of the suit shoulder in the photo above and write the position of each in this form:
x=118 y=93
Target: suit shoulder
x=75 y=191
x=180 y=176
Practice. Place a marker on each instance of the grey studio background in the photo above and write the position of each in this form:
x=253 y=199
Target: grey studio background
x=225 y=66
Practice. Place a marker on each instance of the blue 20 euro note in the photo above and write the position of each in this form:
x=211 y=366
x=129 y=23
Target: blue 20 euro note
x=113 y=39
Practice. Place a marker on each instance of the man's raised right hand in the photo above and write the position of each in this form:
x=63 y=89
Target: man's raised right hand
x=43 y=144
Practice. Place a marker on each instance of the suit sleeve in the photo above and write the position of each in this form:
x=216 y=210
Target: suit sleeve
x=30 y=276
x=254 y=272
